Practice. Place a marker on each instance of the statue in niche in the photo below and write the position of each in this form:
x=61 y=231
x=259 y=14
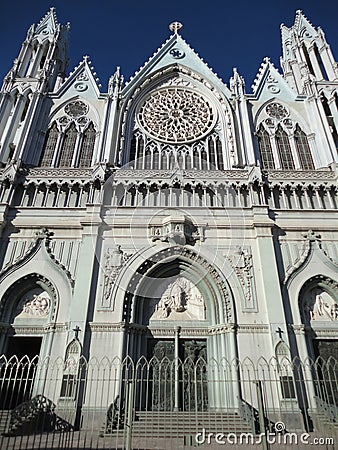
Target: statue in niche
x=180 y=301
x=320 y=306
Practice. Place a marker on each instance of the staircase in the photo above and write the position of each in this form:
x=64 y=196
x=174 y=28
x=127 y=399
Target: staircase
x=169 y=424
x=4 y=420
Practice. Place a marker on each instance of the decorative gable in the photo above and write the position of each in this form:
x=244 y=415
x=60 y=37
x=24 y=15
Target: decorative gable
x=269 y=83
x=81 y=81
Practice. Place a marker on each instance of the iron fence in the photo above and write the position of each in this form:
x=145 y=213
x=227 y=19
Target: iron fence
x=166 y=404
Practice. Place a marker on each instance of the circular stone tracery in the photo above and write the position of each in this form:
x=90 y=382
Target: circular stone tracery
x=276 y=110
x=176 y=115
x=76 y=109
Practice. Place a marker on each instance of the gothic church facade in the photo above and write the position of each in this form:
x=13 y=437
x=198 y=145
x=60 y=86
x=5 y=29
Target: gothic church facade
x=171 y=208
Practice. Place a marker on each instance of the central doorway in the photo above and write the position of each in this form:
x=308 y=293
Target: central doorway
x=178 y=384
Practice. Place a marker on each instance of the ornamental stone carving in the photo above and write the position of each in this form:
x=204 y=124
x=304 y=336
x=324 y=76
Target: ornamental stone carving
x=320 y=306
x=34 y=304
x=176 y=115
x=241 y=262
x=276 y=110
x=76 y=109
x=114 y=259
x=176 y=229
x=181 y=300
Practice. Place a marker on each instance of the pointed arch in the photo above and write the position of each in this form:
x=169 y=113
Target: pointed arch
x=265 y=148
x=68 y=146
x=284 y=149
x=50 y=145
x=87 y=146
x=303 y=150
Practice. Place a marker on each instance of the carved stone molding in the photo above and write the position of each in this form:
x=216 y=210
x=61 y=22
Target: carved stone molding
x=176 y=230
x=253 y=328
x=312 y=242
x=42 y=237
x=97 y=327
x=240 y=260
x=114 y=260
x=224 y=313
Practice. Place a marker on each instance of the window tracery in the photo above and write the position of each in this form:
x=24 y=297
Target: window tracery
x=265 y=148
x=69 y=143
x=68 y=147
x=284 y=150
x=87 y=147
x=146 y=153
x=176 y=115
x=282 y=143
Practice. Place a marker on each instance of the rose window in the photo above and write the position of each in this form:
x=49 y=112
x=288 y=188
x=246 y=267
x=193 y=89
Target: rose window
x=76 y=109
x=176 y=115
x=276 y=111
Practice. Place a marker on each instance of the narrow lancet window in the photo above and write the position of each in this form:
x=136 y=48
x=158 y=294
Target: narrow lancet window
x=265 y=149
x=49 y=146
x=87 y=147
x=284 y=150
x=68 y=147
x=303 y=149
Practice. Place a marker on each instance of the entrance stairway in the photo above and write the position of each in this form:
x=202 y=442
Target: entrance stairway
x=170 y=424
x=4 y=420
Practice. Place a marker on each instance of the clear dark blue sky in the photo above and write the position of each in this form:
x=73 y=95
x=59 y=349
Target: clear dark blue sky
x=125 y=33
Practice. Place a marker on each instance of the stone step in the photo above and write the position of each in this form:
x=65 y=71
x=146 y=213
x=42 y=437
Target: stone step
x=4 y=420
x=180 y=424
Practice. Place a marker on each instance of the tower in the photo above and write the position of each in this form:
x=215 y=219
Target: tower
x=310 y=68
x=42 y=60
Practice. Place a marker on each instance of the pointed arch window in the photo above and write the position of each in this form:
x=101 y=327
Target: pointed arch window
x=284 y=150
x=265 y=148
x=303 y=150
x=87 y=147
x=219 y=151
x=285 y=371
x=68 y=147
x=49 y=146
x=71 y=369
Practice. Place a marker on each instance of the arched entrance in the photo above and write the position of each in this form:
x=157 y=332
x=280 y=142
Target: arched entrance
x=318 y=302
x=180 y=317
x=25 y=310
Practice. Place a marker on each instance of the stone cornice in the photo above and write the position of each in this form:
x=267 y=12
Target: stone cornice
x=33 y=328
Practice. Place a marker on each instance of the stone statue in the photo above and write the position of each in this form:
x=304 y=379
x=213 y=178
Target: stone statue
x=320 y=306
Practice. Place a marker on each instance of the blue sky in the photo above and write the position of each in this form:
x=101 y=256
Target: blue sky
x=125 y=33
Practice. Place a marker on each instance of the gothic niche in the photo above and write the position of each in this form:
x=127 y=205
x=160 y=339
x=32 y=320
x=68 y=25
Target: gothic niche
x=319 y=306
x=181 y=300
x=36 y=303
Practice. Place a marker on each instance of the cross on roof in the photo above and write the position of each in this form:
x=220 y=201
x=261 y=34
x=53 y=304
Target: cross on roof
x=175 y=27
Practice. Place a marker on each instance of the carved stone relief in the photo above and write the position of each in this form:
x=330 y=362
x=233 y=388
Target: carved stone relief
x=320 y=306
x=241 y=262
x=114 y=259
x=181 y=300
x=35 y=303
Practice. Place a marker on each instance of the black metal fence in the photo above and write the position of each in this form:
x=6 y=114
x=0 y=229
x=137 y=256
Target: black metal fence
x=164 y=404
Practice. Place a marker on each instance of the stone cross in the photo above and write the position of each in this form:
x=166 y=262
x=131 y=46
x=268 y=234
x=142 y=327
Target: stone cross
x=279 y=331
x=76 y=330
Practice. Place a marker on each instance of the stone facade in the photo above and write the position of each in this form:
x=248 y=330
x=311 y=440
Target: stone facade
x=172 y=208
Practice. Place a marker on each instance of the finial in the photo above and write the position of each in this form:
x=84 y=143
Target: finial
x=175 y=27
